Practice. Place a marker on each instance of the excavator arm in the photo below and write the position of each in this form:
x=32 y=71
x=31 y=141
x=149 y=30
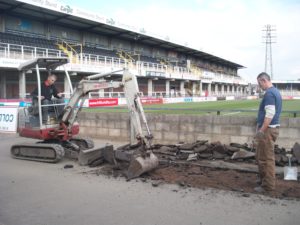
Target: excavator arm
x=71 y=110
x=130 y=86
x=143 y=159
x=136 y=111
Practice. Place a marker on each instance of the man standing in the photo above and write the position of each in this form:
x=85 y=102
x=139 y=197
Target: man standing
x=268 y=122
x=48 y=90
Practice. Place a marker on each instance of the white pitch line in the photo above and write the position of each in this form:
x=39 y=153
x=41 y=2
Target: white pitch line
x=231 y=113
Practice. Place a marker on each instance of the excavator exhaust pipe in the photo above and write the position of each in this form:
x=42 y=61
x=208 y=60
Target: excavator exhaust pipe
x=139 y=165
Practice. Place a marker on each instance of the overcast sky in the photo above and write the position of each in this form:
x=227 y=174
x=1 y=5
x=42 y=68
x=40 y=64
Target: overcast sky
x=231 y=29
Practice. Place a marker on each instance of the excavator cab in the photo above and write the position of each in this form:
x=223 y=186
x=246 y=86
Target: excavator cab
x=30 y=120
x=54 y=142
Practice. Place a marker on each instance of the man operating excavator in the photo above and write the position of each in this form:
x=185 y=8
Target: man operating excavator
x=48 y=91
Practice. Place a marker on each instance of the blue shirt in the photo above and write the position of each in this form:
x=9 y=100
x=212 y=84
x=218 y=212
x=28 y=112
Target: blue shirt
x=271 y=97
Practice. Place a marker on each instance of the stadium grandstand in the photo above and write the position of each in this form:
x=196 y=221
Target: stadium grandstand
x=96 y=44
x=289 y=89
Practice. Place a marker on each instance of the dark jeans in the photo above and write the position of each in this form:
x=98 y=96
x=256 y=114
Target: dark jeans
x=56 y=109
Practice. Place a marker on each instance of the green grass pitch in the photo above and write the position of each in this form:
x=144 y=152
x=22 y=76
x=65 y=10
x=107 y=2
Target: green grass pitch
x=226 y=108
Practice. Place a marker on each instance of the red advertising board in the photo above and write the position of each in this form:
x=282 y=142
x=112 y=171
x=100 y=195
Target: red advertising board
x=151 y=100
x=287 y=97
x=103 y=102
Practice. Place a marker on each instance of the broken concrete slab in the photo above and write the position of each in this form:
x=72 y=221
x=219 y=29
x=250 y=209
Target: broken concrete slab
x=192 y=157
x=205 y=155
x=216 y=143
x=191 y=146
x=182 y=156
x=284 y=159
x=231 y=148
x=243 y=146
x=201 y=142
x=201 y=148
x=278 y=160
x=296 y=151
x=187 y=151
x=243 y=154
x=218 y=155
x=164 y=152
x=187 y=146
x=168 y=149
x=213 y=151
x=220 y=149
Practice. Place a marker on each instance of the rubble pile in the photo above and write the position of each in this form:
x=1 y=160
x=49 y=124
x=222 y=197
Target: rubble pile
x=206 y=165
x=234 y=152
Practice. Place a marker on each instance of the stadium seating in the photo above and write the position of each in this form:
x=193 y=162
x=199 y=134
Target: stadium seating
x=99 y=51
x=149 y=59
x=27 y=41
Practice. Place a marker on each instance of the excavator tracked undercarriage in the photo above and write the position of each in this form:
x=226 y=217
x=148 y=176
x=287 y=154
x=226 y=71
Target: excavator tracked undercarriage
x=51 y=153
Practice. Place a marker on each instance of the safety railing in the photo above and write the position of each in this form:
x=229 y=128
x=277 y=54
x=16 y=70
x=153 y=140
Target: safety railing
x=14 y=51
x=104 y=94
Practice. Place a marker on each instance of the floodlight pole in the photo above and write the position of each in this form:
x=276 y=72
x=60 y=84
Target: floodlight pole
x=268 y=37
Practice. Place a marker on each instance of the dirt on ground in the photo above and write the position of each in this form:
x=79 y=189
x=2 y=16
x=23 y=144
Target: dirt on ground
x=187 y=176
x=201 y=177
x=225 y=174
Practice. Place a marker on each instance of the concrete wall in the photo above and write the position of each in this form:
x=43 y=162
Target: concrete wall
x=170 y=129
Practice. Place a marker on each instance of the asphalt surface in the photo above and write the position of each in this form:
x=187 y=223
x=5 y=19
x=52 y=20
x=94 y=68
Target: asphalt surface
x=33 y=193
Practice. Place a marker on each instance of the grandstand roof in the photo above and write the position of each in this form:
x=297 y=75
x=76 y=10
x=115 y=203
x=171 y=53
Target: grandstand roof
x=43 y=14
x=286 y=81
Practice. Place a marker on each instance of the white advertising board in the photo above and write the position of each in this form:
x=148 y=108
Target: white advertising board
x=122 y=101
x=204 y=99
x=8 y=119
x=230 y=97
x=173 y=100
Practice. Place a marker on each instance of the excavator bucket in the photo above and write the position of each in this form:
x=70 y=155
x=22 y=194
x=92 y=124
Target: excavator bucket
x=142 y=164
x=139 y=163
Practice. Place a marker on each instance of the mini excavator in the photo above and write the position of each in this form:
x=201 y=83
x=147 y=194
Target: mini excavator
x=58 y=137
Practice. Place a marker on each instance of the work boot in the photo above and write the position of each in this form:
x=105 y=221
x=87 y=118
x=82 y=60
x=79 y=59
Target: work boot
x=260 y=189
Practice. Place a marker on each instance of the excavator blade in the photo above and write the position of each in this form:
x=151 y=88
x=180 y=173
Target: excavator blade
x=88 y=156
x=141 y=164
